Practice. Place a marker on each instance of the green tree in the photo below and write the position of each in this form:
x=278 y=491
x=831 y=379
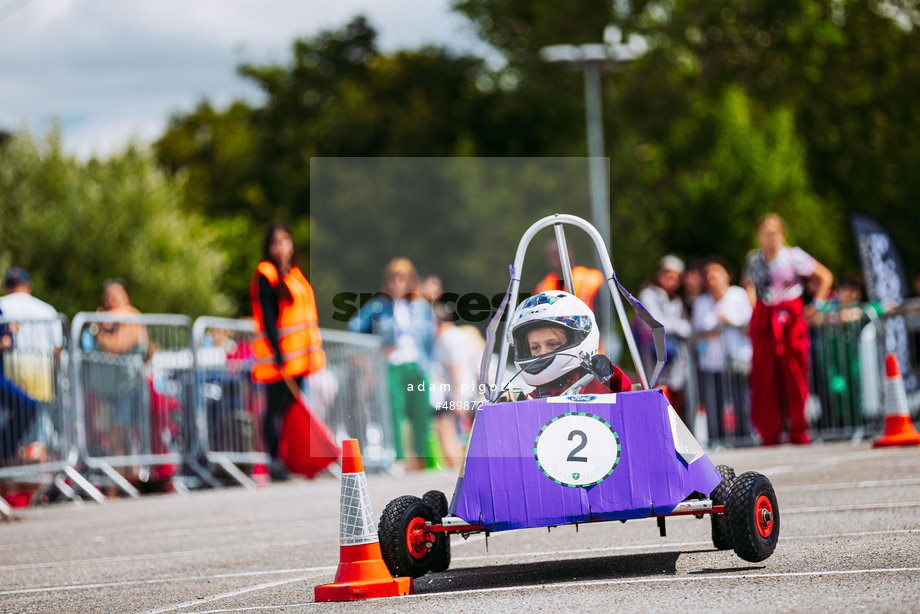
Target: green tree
x=339 y=96
x=844 y=71
x=72 y=224
x=757 y=165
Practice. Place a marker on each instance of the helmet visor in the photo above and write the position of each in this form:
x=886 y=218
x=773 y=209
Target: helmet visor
x=576 y=328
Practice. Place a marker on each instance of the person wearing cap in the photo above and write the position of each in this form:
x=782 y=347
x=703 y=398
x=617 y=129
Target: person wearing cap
x=38 y=336
x=19 y=304
x=661 y=298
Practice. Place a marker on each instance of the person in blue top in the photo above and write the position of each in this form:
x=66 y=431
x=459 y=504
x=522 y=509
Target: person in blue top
x=17 y=409
x=405 y=323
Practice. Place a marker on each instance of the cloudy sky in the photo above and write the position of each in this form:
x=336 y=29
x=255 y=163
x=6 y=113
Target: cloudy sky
x=111 y=70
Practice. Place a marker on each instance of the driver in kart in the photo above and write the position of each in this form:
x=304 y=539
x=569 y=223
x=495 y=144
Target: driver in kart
x=555 y=340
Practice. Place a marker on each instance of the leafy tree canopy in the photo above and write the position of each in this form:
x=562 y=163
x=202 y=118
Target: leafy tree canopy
x=73 y=224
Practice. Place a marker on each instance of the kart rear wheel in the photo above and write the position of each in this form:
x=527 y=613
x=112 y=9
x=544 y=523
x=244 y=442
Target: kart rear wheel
x=404 y=542
x=440 y=552
x=753 y=516
x=721 y=534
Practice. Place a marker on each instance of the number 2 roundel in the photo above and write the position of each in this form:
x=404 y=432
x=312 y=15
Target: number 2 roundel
x=577 y=449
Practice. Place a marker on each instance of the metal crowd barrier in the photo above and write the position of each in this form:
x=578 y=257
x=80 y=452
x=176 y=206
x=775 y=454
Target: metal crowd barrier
x=845 y=377
x=718 y=397
x=133 y=379
x=37 y=448
x=351 y=395
x=129 y=399
x=843 y=344
x=230 y=406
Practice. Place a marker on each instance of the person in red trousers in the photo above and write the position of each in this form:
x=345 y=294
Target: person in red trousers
x=775 y=276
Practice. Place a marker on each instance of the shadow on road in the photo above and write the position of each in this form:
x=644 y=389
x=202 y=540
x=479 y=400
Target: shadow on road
x=549 y=572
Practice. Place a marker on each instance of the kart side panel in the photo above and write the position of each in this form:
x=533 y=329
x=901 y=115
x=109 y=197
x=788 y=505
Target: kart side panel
x=502 y=486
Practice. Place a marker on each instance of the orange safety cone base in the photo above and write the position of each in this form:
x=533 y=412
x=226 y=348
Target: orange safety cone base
x=362 y=562
x=899 y=431
x=369 y=589
x=362 y=574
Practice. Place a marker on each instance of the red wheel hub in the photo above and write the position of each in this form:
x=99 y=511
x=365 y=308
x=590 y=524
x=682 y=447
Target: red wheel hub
x=763 y=516
x=417 y=538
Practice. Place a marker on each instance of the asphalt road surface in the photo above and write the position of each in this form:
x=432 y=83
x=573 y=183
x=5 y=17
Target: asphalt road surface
x=849 y=541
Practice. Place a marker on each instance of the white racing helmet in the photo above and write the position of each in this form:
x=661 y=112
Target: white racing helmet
x=555 y=309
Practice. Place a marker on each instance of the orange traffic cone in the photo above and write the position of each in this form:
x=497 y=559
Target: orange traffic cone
x=899 y=430
x=362 y=574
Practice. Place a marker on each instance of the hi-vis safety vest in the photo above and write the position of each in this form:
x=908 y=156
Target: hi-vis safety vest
x=298 y=328
x=586 y=281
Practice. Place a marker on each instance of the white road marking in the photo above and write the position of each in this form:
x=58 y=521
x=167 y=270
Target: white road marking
x=168 y=580
x=154 y=555
x=850 y=485
x=161 y=555
x=179 y=532
x=242 y=591
x=851 y=507
x=836 y=459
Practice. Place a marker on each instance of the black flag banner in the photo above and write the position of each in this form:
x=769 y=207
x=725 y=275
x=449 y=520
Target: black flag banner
x=883 y=270
x=886 y=283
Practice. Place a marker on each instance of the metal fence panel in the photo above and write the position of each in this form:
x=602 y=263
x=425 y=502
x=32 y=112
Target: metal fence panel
x=133 y=379
x=36 y=426
x=836 y=406
x=718 y=397
x=845 y=375
x=351 y=395
x=230 y=406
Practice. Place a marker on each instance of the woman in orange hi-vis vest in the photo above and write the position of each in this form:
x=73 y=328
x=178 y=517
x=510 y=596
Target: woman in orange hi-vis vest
x=287 y=342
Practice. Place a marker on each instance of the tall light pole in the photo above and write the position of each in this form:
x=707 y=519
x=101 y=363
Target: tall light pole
x=591 y=59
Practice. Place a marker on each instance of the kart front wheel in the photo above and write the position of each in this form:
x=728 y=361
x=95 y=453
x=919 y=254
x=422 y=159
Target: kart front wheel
x=440 y=552
x=721 y=534
x=406 y=545
x=753 y=516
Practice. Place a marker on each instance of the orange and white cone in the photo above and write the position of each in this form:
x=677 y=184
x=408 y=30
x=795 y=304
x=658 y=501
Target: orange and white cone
x=362 y=574
x=899 y=430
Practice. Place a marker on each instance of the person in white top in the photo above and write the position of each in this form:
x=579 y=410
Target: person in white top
x=19 y=305
x=660 y=297
x=38 y=336
x=720 y=313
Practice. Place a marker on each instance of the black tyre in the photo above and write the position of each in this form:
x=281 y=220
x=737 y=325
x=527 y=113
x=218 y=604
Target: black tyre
x=440 y=552
x=753 y=516
x=401 y=534
x=721 y=534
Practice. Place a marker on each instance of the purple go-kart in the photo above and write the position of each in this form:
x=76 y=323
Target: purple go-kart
x=578 y=458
